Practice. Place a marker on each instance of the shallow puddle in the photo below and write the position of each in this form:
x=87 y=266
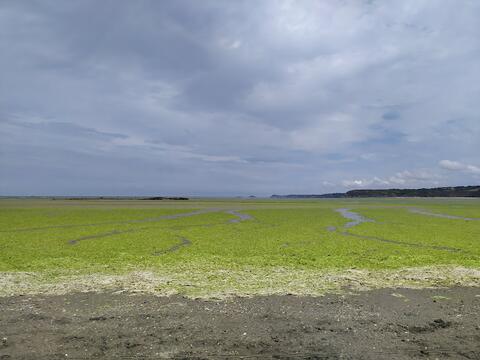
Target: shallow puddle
x=357 y=218
x=443 y=216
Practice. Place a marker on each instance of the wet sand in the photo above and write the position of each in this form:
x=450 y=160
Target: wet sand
x=379 y=324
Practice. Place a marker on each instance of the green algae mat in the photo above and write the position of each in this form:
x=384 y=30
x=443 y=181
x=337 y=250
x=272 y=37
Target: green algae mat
x=227 y=247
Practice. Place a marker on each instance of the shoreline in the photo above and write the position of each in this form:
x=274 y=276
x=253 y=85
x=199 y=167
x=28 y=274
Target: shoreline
x=375 y=324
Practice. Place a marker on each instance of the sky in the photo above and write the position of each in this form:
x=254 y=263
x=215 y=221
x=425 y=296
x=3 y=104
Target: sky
x=227 y=98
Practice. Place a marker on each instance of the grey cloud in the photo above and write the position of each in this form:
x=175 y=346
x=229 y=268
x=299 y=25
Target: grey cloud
x=459 y=166
x=64 y=129
x=404 y=178
x=279 y=96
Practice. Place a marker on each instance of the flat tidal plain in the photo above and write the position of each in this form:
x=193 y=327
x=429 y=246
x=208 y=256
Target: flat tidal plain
x=223 y=247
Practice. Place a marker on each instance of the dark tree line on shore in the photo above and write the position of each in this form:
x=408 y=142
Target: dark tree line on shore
x=455 y=191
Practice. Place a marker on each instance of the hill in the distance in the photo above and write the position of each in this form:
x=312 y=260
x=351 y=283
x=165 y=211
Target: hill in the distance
x=455 y=191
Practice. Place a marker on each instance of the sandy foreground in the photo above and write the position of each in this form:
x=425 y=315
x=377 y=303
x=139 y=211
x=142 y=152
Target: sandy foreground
x=374 y=324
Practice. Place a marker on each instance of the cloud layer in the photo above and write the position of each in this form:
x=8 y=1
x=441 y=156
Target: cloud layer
x=227 y=98
x=458 y=166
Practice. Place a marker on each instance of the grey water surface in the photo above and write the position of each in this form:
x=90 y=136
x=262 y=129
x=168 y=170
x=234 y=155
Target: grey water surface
x=355 y=217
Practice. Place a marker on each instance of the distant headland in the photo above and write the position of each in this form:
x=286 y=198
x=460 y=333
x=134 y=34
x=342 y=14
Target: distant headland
x=455 y=191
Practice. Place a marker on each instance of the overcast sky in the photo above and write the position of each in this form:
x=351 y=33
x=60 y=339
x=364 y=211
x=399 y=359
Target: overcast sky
x=237 y=97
